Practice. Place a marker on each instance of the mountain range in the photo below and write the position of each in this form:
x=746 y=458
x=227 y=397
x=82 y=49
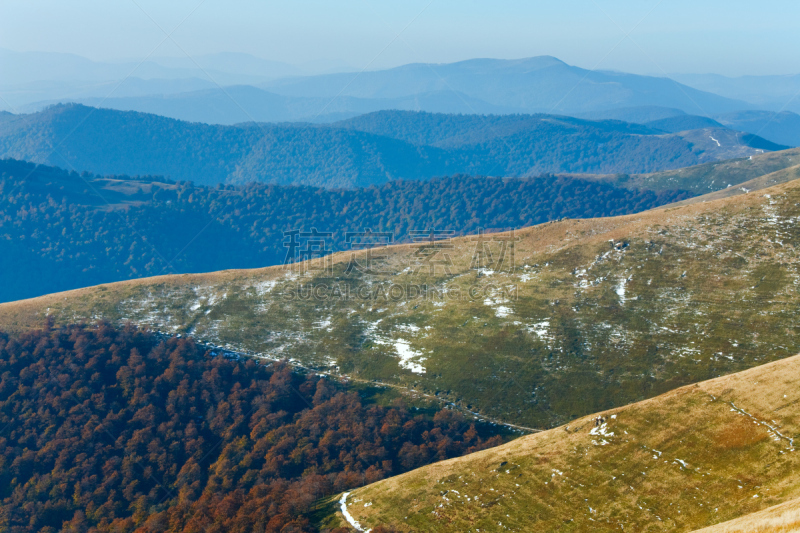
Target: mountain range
x=368 y=150
x=492 y=295
x=31 y=77
x=533 y=85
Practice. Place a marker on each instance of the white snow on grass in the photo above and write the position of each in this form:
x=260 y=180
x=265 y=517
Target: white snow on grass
x=772 y=430
x=542 y=331
x=500 y=310
x=323 y=324
x=601 y=430
x=407 y=354
x=621 y=289
x=503 y=312
x=265 y=287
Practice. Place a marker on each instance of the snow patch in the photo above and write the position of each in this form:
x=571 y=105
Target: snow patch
x=620 y=290
x=503 y=311
x=406 y=354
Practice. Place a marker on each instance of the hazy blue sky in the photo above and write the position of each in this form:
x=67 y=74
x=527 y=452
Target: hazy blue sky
x=730 y=37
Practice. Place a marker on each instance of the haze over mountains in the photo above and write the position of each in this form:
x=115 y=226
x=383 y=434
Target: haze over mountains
x=30 y=77
x=775 y=93
x=229 y=89
x=534 y=85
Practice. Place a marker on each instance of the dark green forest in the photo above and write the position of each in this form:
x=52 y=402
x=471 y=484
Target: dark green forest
x=369 y=150
x=60 y=230
x=109 y=429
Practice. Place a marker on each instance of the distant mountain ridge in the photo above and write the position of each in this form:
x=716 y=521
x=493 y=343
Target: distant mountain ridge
x=538 y=84
x=246 y=103
x=478 y=86
x=253 y=89
x=772 y=92
x=369 y=150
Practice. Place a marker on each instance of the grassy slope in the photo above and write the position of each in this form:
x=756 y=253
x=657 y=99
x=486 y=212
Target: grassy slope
x=594 y=313
x=711 y=177
x=693 y=457
x=783 y=518
x=757 y=184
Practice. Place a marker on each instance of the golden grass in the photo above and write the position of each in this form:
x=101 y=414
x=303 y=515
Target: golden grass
x=763 y=182
x=676 y=462
x=784 y=518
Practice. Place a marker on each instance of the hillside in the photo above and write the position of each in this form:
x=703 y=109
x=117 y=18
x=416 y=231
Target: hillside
x=783 y=518
x=455 y=131
x=636 y=114
x=762 y=182
x=105 y=141
x=115 y=142
x=562 y=319
x=61 y=230
x=712 y=177
x=683 y=123
x=526 y=131
x=693 y=457
x=779 y=127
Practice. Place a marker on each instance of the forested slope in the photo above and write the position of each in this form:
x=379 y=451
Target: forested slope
x=116 y=430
